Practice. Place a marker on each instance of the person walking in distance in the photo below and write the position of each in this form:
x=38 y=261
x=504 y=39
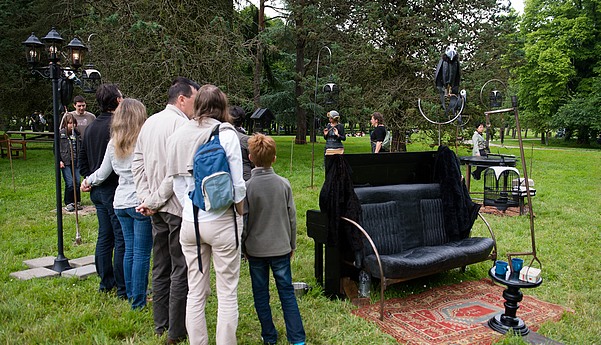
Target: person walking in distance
x=155 y=192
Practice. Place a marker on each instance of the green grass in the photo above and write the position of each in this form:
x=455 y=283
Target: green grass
x=68 y=311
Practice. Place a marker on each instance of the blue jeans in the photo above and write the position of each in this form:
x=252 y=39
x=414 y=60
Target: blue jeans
x=137 y=234
x=110 y=238
x=69 y=185
x=259 y=275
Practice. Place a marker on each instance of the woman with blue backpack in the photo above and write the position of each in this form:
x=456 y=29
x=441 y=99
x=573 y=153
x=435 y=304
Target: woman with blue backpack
x=211 y=221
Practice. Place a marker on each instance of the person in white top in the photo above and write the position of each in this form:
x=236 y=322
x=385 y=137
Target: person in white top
x=137 y=228
x=217 y=228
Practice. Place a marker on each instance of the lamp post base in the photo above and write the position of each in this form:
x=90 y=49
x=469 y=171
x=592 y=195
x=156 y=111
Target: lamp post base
x=61 y=264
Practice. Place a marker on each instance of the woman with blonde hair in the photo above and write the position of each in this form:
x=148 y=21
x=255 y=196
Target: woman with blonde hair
x=219 y=230
x=137 y=229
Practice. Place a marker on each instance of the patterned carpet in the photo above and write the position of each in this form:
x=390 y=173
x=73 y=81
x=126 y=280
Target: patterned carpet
x=455 y=314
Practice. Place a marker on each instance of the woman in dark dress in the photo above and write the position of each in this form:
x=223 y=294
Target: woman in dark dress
x=378 y=134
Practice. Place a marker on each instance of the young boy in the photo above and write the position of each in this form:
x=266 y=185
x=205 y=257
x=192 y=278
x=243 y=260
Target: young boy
x=269 y=240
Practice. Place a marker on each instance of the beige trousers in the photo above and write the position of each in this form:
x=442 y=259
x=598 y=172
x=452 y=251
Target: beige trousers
x=217 y=242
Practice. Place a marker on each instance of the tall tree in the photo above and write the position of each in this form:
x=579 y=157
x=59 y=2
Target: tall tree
x=562 y=58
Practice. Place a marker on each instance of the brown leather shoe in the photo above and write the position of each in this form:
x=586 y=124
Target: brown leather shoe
x=175 y=341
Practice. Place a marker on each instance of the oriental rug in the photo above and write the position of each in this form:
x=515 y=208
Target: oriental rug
x=509 y=212
x=455 y=314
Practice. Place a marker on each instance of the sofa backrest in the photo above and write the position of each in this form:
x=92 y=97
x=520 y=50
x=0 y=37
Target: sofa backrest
x=401 y=217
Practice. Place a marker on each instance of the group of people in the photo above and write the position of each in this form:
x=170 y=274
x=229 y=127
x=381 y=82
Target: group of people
x=334 y=135
x=137 y=170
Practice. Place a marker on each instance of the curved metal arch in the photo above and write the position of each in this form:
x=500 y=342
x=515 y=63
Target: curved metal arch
x=419 y=106
x=483 y=86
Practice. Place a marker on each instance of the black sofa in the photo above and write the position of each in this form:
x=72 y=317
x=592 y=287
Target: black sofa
x=402 y=222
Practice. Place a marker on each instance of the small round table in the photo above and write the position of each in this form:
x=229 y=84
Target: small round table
x=503 y=322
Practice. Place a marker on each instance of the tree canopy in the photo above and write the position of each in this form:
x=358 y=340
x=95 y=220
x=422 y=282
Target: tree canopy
x=383 y=55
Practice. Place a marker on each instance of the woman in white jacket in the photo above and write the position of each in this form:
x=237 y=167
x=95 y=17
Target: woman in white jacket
x=137 y=229
x=216 y=227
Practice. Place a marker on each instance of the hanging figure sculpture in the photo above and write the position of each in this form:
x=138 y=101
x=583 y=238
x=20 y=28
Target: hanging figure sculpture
x=448 y=77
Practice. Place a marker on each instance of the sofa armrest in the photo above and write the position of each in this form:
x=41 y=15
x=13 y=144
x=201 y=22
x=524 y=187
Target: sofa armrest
x=373 y=247
x=493 y=255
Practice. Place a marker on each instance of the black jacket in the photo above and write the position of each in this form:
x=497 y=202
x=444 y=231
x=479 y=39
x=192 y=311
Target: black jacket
x=95 y=141
x=66 y=146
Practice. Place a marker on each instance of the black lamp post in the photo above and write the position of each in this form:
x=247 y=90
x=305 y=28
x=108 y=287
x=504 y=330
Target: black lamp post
x=62 y=78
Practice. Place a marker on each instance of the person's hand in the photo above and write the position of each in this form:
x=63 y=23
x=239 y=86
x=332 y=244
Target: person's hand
x=291 y=253
x=85 y=187
x=62 y=165
x=145 y=210
x=335 y=131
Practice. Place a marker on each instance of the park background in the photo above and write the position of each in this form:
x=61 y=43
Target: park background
x=383 y=56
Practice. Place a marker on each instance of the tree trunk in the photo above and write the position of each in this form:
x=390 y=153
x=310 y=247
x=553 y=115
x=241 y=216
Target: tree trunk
x=301 y=114
x=259 y=58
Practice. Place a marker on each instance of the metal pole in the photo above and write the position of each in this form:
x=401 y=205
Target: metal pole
x=313 y=135
x=514 y=104
x=61 y=263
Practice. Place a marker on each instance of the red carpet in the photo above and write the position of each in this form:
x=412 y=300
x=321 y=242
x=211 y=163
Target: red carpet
x=455 y=314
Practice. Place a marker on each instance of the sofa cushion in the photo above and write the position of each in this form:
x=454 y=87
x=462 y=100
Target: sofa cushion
x=392 y=228
x=427 y=260
x=433 y=222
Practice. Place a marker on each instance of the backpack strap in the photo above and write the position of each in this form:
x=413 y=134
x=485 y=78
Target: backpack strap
x=197 y=233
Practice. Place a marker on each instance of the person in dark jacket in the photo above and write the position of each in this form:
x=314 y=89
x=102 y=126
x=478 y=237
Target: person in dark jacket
x=70 y=142
x=110 y=246
x=238 y=114
x=334 y=134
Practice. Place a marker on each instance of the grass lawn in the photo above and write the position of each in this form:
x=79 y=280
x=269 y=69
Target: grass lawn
x=70 y=311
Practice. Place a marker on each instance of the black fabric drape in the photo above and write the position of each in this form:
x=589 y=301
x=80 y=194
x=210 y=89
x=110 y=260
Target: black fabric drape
x=338 y=199
x=460 y=212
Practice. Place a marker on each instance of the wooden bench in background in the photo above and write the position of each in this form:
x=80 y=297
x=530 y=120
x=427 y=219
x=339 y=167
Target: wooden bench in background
x=13 y=146
x=17 y=142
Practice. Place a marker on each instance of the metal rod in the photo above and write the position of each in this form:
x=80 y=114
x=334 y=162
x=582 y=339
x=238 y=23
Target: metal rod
x=514 y=103
x=313 y=135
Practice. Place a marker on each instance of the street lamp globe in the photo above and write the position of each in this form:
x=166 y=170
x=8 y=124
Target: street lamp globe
x=33 y=49
x=53 y=42
x=76 y=52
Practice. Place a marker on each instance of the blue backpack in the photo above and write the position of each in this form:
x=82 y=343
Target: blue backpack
x=213 y=185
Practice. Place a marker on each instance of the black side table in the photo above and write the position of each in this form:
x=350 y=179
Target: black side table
x=503 y=322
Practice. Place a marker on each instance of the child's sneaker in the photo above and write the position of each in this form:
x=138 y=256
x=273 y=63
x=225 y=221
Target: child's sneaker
x=70 y=208
x=79 y=207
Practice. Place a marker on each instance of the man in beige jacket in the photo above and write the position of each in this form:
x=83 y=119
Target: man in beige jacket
x=155 y=192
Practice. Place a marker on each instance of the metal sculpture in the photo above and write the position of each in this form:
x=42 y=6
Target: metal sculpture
x=448 y=78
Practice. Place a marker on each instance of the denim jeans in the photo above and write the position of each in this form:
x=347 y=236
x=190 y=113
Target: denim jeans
x=259 y=275
x=137 y=234
x=69 y=185
x=110 y=239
